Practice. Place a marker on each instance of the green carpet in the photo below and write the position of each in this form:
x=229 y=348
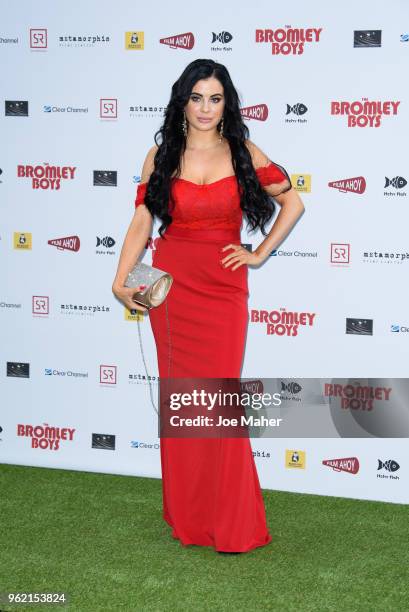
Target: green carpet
x=101 y=538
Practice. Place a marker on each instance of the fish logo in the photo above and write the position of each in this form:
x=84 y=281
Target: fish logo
x=107 y=242
x=398 y=182
x=224 y=37
x=48 y=371
x=47 y=109
x=292 y=387
x=394 y=328
x=404 y=37
x=297 y=109
x=390 y=466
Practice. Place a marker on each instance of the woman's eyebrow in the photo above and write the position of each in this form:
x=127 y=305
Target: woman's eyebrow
x=198 y=94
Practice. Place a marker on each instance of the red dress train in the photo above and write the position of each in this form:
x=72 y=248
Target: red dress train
x=210 y=486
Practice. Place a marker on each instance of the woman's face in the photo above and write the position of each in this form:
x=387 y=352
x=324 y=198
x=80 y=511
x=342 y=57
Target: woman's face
x=204 y=111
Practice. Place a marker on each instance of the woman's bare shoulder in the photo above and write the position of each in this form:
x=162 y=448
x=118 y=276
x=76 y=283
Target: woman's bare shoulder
x=148 y=164
x=258 y=157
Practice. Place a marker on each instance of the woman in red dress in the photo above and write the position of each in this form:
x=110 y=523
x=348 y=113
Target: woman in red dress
x=200 y=180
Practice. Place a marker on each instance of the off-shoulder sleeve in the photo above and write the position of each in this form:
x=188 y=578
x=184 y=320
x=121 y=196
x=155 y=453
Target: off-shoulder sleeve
x=140 y=194
x=274 y=175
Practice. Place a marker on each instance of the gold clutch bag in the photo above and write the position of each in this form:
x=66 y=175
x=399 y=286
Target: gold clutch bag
x=158 y=282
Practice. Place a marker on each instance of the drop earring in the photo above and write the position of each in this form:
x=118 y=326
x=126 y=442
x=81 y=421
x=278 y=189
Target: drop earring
x=184 y=125
x=221 y=130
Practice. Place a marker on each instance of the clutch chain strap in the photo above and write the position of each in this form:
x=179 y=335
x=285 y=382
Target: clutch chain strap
x=143 y=355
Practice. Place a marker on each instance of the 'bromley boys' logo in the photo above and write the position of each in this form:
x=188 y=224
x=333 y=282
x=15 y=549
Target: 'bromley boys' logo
x=46 y=176
x=282 y=322
x=366 y=113
x=69 y=243
x=258 y=112
x=181 y=41
x=346 y=464
x=288 y=40
x=356 y=184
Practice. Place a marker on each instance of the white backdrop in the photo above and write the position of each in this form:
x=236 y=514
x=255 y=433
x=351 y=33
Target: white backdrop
x=90 y=108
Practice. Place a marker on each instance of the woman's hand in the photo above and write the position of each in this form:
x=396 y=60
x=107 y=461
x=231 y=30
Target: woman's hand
x=125 y=294
x=240 y=256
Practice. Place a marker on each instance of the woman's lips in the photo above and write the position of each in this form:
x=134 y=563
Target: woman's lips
x=204 y=120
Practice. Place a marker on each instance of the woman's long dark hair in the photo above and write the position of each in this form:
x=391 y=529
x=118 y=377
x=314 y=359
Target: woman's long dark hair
x=257 y=205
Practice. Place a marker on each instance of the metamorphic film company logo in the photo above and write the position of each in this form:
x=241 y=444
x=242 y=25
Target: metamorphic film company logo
x=288 y=40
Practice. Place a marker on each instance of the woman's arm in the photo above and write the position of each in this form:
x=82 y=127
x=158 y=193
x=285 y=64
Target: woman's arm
x=291 y=205
x=134 y=243
x=291 y=209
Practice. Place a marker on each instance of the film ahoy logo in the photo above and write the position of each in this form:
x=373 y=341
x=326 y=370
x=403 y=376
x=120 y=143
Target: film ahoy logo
x=346 y=464
x=259 y=112
x=179 y=41
x=356 y=184
x=68 y=243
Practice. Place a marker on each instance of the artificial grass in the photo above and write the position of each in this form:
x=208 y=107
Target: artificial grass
x=101 y=539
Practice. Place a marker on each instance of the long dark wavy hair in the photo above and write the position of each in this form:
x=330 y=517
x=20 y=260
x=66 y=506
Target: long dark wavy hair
x=257 y=205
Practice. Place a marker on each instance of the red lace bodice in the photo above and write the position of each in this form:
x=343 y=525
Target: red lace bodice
x=215 y=205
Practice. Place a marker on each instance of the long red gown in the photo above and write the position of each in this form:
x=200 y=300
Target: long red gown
x=210 y=486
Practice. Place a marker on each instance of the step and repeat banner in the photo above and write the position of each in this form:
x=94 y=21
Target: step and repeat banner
x=323 y=93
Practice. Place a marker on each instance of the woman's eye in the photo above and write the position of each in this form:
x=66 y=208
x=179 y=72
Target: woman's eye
x=197 y=99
